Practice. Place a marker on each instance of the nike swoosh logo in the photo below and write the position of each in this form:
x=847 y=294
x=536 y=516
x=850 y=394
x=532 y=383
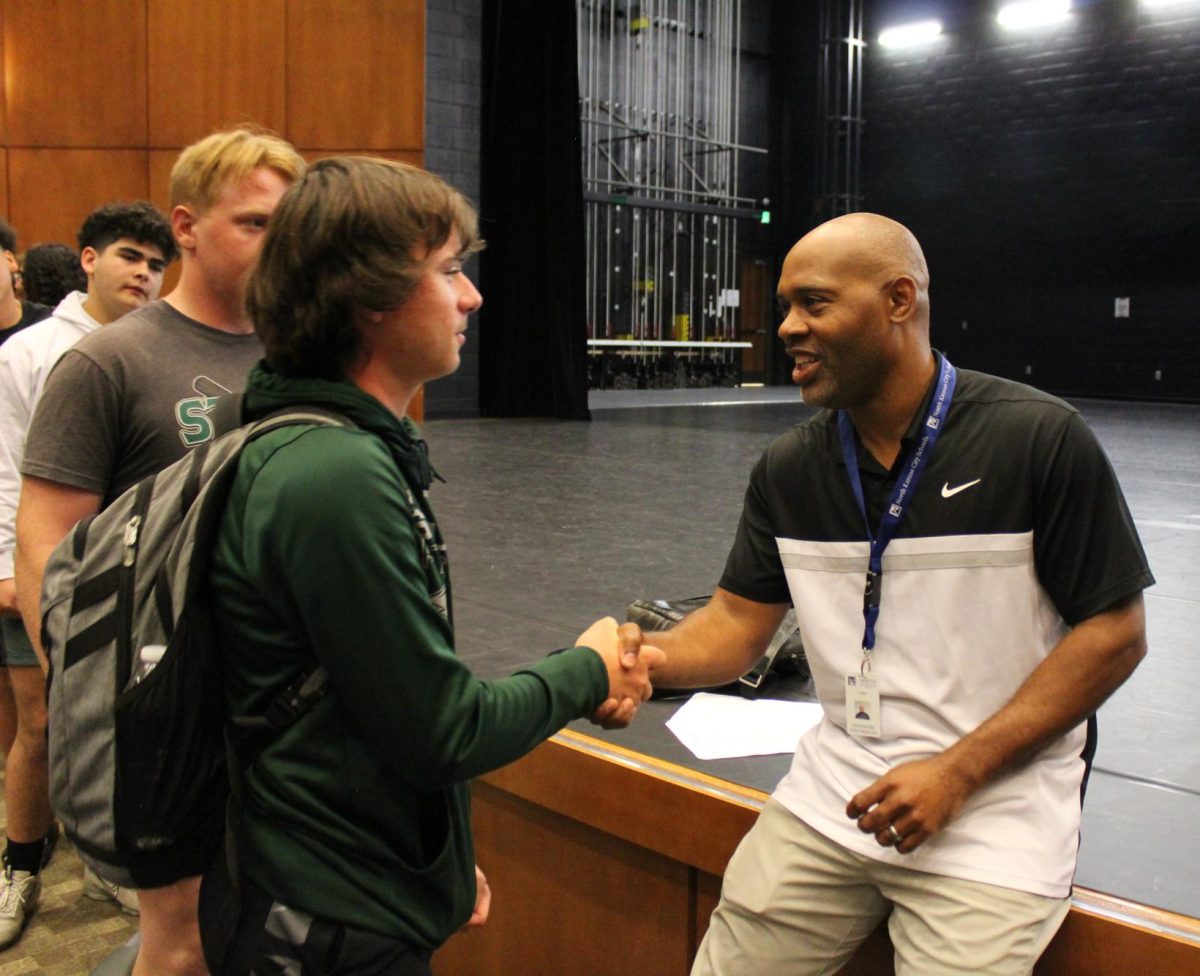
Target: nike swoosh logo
x=948 y=492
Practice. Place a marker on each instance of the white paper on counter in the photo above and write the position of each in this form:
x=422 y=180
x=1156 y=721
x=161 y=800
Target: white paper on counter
x=725 y=727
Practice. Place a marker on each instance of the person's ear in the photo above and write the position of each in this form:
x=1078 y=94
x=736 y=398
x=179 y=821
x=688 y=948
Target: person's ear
x=183 y=226
x=11 y=260
x=87 y=260
x=902 y=299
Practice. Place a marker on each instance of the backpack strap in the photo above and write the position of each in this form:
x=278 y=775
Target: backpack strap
x=247 y=736
x=290 y=416
x=227 y=414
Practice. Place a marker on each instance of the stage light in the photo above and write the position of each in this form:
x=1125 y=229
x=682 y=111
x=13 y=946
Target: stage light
x=910 y=35
x=1033 y=13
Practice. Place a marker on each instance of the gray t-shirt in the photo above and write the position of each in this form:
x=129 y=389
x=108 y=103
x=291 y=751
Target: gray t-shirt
x=133 y=397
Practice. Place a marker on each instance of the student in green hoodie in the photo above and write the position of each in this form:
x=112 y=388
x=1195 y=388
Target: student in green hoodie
x=354 y=839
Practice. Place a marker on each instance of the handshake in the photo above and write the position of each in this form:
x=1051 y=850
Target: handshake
x=629 y=663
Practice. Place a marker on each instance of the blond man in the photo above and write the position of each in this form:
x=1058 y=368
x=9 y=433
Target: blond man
x=129 y=400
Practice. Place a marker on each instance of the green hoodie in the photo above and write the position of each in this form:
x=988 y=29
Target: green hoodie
x=328 y=550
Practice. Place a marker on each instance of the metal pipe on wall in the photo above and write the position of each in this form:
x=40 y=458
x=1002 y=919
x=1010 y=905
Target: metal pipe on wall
x=659 y=91
x=840 y=96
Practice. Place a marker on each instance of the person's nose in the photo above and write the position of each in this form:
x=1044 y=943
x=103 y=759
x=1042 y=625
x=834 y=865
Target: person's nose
x=793 y=324
x=470 y=300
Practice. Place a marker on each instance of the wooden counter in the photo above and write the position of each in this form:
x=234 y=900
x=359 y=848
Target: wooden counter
x=605 y=861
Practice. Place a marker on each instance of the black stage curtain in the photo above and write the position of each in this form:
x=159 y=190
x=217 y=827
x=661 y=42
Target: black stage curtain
x=533 y=330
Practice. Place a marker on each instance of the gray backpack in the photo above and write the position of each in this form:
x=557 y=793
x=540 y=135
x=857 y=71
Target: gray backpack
x=137 y=718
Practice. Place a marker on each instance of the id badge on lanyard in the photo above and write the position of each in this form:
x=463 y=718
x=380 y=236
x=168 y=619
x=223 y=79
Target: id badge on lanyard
x=863 y=709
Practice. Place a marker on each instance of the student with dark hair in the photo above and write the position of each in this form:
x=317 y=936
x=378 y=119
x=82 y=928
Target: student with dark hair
x=50 y=272
x=354 y=836
x=126 y=248
x=15 y=314
x=140 y=221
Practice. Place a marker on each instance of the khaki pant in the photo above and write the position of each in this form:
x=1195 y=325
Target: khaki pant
x=794 y=903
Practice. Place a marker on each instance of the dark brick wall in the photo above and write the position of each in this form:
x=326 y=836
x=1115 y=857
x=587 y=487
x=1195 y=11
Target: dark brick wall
x=1047 y=174
x=453 y=56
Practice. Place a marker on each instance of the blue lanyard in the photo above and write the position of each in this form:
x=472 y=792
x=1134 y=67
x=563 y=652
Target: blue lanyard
x=902 y=494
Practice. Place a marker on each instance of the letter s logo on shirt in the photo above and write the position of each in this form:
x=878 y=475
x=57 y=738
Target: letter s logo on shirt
x=195 y=425
x=194 y=413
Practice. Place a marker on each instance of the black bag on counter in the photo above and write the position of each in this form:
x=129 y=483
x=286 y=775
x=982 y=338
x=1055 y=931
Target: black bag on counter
x=784 y=654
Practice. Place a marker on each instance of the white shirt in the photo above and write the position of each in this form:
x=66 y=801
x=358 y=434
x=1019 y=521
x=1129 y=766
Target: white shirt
x=940 y=675
x=25 y=361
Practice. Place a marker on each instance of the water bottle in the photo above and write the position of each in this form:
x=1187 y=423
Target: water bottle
x=148 y=658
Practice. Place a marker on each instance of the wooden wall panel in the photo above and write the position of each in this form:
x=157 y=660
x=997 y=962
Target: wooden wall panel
x=699 y=825
x=53 y=190
x=708 y=896
x=3 y=93
x=543 y=821
x=75 y=72
x=4 y=201
x=357 y=78
x=346 y=77
x=98 y=97
x=1108 y=936
x=568 y=900
x=214 y=64
x=161 y=161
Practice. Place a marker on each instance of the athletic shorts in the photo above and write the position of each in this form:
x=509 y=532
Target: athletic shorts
x=17 y=649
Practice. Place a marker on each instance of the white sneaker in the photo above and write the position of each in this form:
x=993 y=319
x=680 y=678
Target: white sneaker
x=18 y=898
x=97 y=889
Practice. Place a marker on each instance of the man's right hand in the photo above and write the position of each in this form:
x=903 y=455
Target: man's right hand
x=629 y=663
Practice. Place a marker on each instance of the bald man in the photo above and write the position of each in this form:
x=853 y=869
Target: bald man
x=967 y=581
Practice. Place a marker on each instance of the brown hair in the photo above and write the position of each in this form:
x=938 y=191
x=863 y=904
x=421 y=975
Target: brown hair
x=350 y=235
x=206 y=167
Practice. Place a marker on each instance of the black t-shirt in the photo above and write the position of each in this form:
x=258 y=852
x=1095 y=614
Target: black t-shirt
x=30 y=312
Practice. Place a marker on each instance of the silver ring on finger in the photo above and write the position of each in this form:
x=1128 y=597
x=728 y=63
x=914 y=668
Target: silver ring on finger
x=894 y=833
